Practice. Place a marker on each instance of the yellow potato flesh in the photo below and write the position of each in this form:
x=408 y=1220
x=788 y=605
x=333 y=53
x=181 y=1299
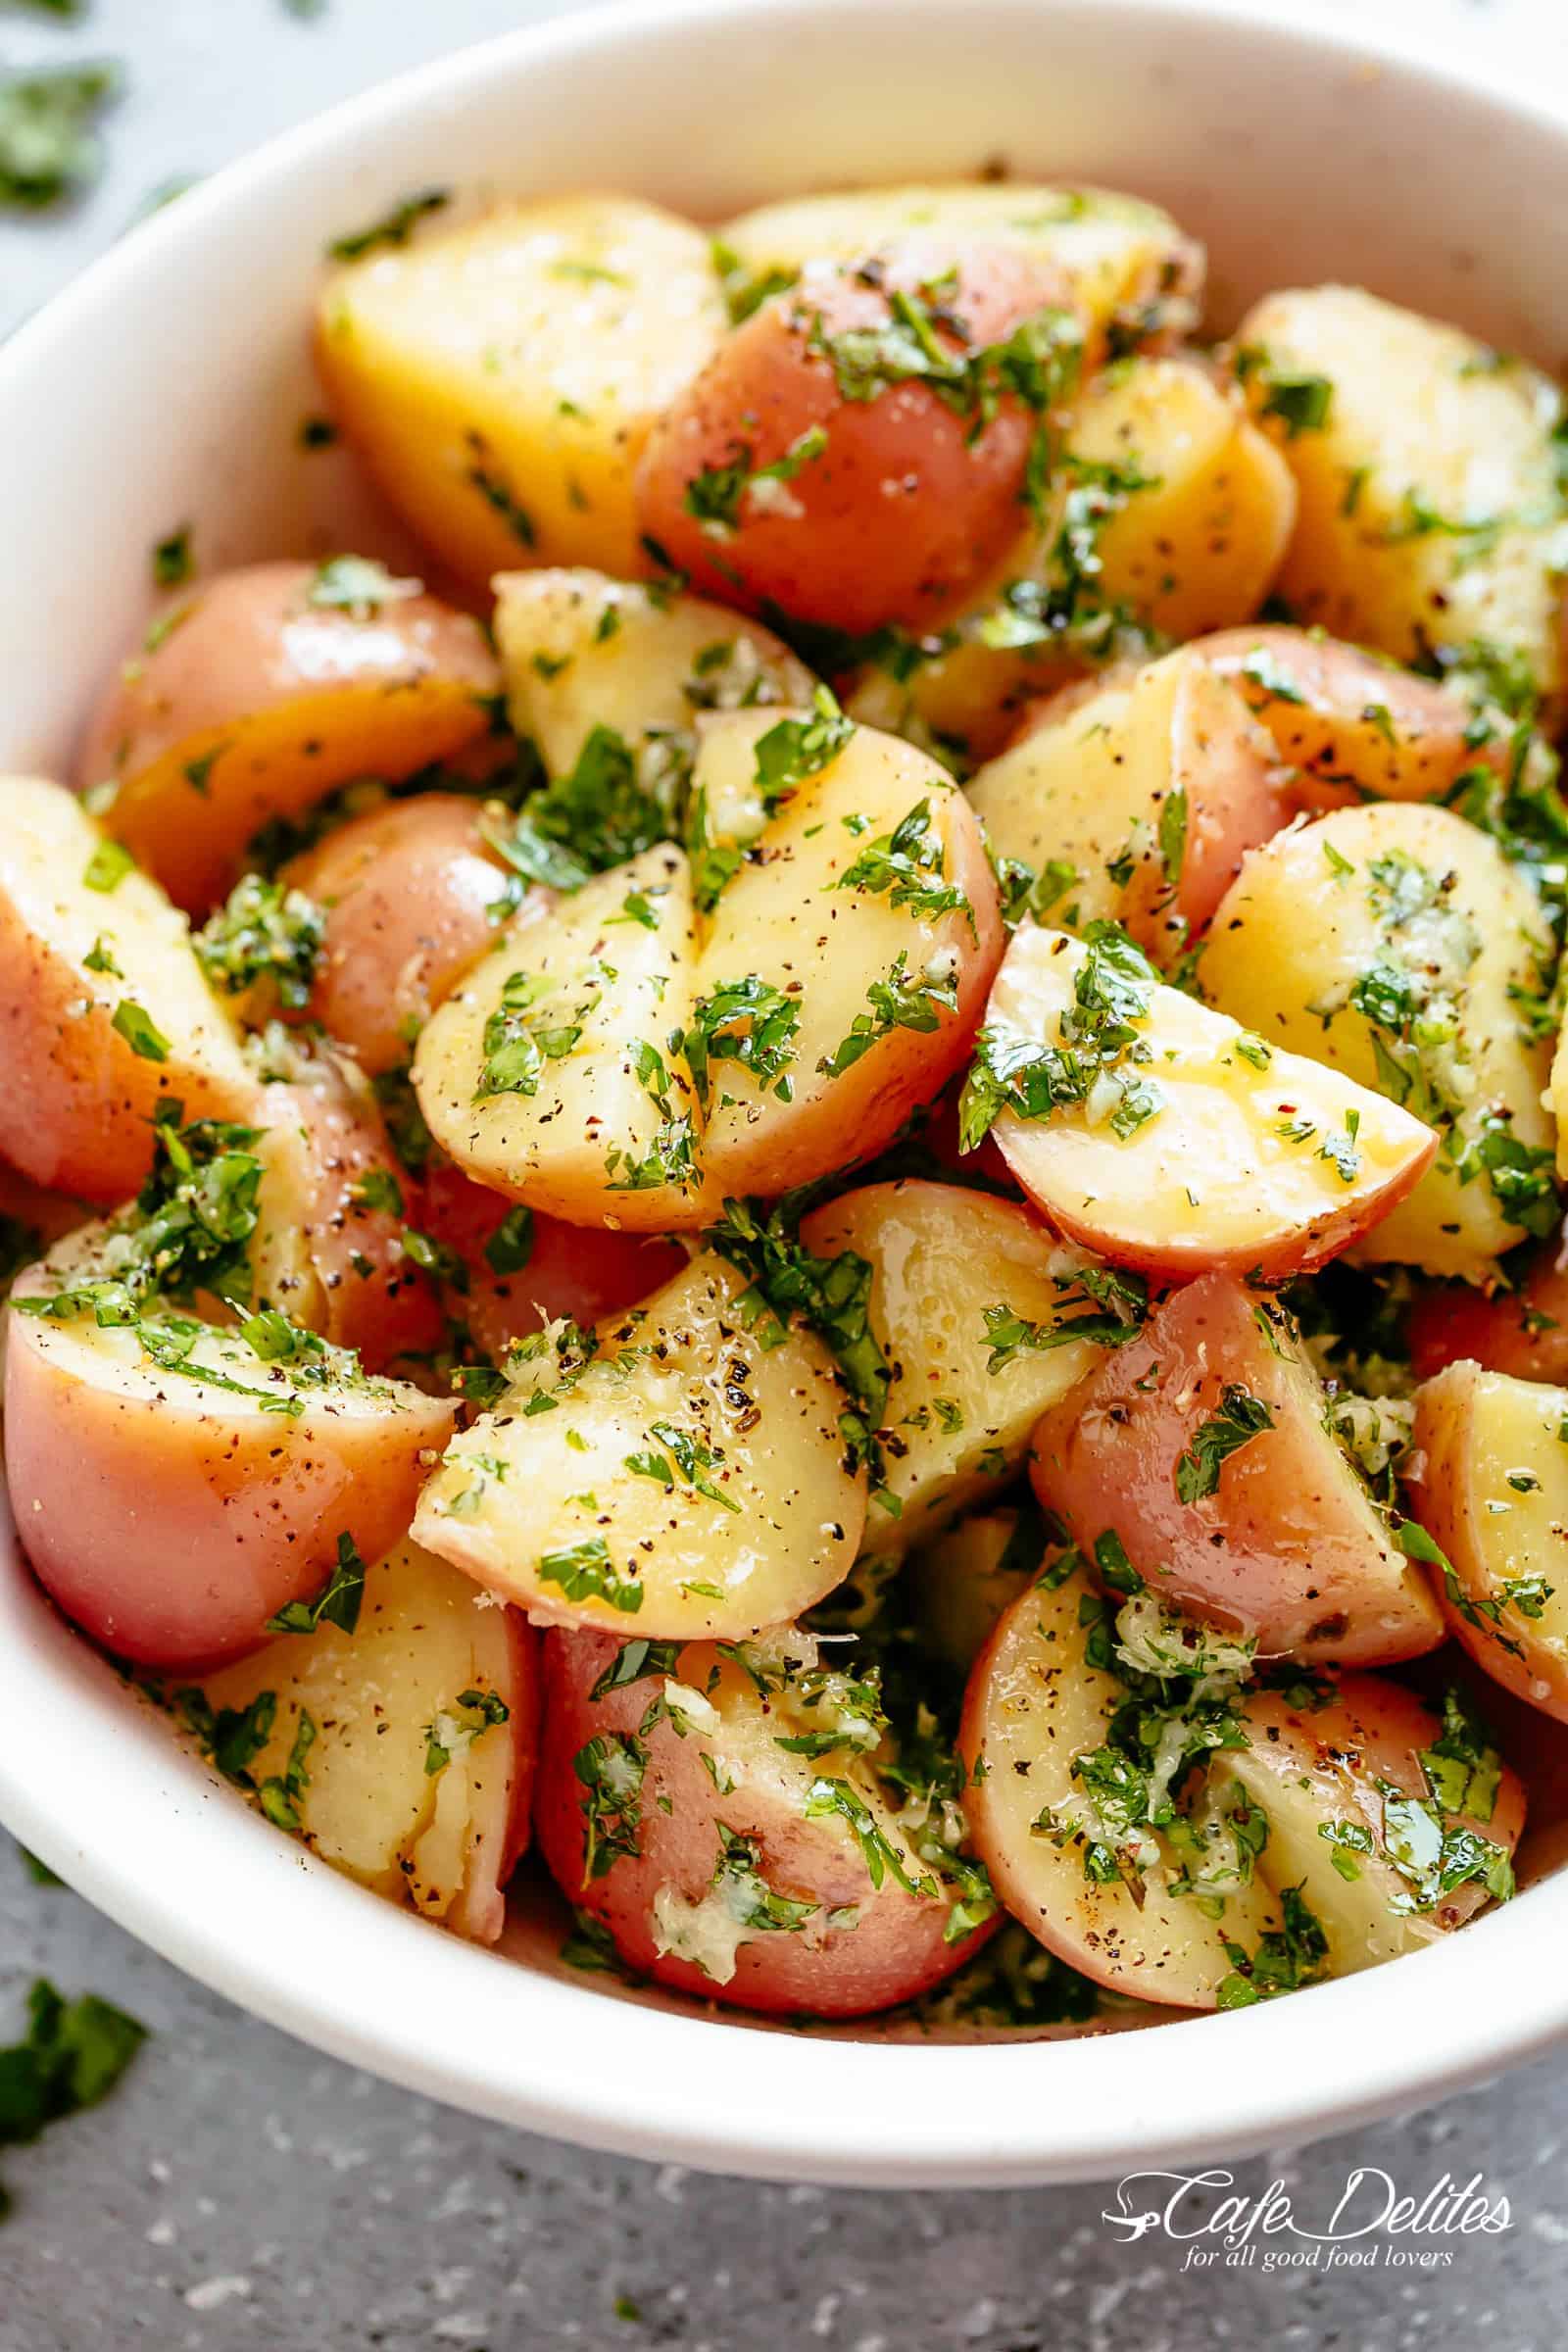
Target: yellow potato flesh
x=952 y=1430
x=1035 y=1704
x=518 y=1493
x=1426 y=433
x=966 y=1578
x=1117 y=253
x=596 y=1139
x=1296 y=932
x=580 y=651
x=1494 y=1496
x=500 y=379
x=1231 y=1170
x=1198 y=546
x=368 y=1804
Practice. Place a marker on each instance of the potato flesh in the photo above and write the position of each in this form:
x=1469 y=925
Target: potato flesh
x=1297 y=933
x=1422 y=422
x=1494 y=1497
x=965 y=1579
x=1288 y=1550
x=1199 y=544
x=519 y=1490
x=1118 y=252
x=593 y=1142
x=500 y=378
x=1036 y=1704
x=1213 y=1179
x=580 y=651
x=444 y=1842
x=78 y=1096
x=953 y=1431
x=1090 y=788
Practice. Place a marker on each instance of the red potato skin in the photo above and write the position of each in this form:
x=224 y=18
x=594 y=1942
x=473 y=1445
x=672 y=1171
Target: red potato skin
x=170 y=1532
x=78 y=1103
x=285 y=700
x=895 y=1952
x=407 y=891
x=901 y=513
x=377 y=1300
x=1288 y=1548
x=1522 y=1332
x=1340 y=752
x=583 y=1272
x=48 y=1216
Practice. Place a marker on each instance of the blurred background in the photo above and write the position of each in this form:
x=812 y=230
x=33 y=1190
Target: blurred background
x=237 y=2190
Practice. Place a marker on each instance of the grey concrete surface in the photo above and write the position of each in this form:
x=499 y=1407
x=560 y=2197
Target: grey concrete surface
x=238 y=2191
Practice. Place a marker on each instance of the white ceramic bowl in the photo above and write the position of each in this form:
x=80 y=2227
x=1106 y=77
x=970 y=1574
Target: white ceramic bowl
x=167 y=384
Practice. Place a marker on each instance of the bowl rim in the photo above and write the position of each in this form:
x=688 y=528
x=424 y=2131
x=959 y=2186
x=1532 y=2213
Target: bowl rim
x=80 y=1762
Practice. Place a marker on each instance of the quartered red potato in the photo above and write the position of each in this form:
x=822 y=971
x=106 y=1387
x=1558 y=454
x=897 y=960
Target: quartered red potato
x=821 y=1174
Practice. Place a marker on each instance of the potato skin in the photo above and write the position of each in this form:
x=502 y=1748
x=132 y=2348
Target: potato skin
x=897 y=1949
x=408 y=891
x=905 y=506
x=170 y=1519
x=1288 y=1550
x=583 y=1272
x=79 y=1098
x=274 y=702
x=1523 y=1330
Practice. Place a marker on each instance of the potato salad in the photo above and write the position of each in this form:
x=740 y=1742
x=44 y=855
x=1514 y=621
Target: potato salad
x=819 y=1175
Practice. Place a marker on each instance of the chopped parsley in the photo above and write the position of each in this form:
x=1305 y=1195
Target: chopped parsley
x=394 y=227
x=797 y=748
x=262 y=933
x=582 y=1571
x=358 y=586
x=337 y=1602
x=1287 y=1958
x=71 y=2056
x=909 y=866
x=1241 y=1418
x=610 y=1769
x=1099 y=1036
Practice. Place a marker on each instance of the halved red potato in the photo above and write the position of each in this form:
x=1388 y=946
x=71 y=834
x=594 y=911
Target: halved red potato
x=105 y=1012
x=1522 y=1331
x=174 y=1488
x=688 y=1028
x=522 y=1275
x=838 y=456
x=429 y=1672
x=1493 y=1495
x=1203 y=1446
x=685 y=1475
x=334 y=1209
x=1139 y=796
x=1397 y=946
x=722 y=1862
x=31 y=1221
x=582 y=650
x=943 y=1264
x=260 y=692
x=1198 y=1898
x=413 y=895
x=1353 y=725
x=1199 y=1147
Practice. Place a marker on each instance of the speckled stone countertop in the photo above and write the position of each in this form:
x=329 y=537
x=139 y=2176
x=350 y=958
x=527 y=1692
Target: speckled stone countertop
x=239 y=2191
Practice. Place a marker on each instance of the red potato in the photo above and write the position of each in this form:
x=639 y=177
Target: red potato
x=880 y=504
x=1280 y=1541
x=1352 y=725
x=1249 y=1823
x=411 y=894
x=105 y=1012
x=1152 y=785
x=335 y=1206
x=31 y=1221
x=171 y=1514
x=260 y=692
x=1493 y=1495
x=1236 y=1155
x=444 y=1842
x=1522 y=1331
x=711 y=1763
x=583 y=1272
